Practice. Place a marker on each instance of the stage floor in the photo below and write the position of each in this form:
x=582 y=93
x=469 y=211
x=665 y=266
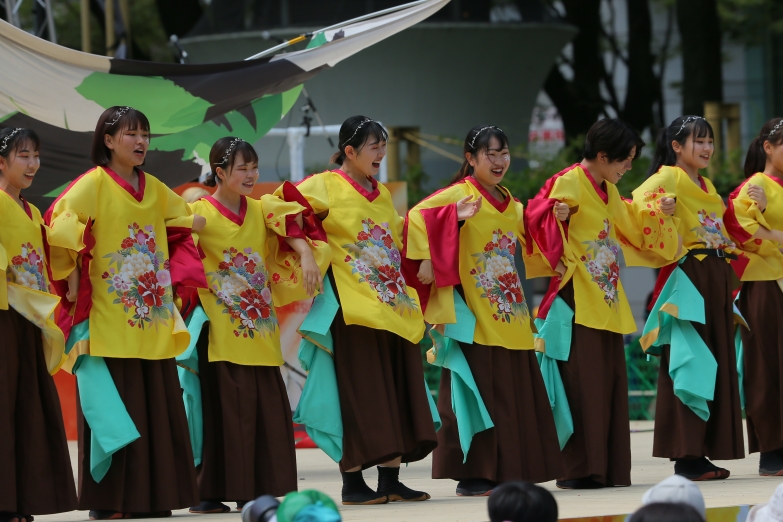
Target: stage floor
x=317 y=471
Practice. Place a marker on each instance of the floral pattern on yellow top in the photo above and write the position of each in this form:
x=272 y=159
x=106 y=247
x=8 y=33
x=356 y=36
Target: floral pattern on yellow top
x=377 y=261
x=242 y=284
x=496 y=274
x=601 y=263
x=141 y=279
x=711 y=231
x=27 y=268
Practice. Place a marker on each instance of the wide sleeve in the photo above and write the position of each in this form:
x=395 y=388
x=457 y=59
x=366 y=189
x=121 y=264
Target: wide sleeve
x=743 y=216
x=68 y=222
x=648 y=237
x=184 y=256
x=431 y=231
x=535 y=263
x=280 y=213
x=312 y=188
x=3 y=280
x=543 y=230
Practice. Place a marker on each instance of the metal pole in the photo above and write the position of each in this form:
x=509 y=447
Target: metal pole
x=50 y=22
x=126 y=22
x=109 y=22
x=85 y=20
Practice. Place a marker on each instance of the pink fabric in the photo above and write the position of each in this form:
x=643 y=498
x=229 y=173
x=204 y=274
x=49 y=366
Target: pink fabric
x=138 y=196
x=371 y=196
x=227 y=213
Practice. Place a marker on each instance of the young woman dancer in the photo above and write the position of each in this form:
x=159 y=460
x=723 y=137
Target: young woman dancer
x=688 y=434
x=386 y=416
x=37 y=478
x=758 y=228
x=476 y=257
x=248 y=439
x=123 y=240
x=588 y=244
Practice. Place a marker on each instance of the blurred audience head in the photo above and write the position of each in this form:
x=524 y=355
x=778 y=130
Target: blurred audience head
x=666 y=512
x=772 y=511
x=676 y=489
x=521 y=502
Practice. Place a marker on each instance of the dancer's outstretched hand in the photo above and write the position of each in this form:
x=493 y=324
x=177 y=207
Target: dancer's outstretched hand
x=466 y=208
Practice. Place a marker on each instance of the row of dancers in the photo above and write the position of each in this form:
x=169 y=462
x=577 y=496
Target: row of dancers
x=166 y=313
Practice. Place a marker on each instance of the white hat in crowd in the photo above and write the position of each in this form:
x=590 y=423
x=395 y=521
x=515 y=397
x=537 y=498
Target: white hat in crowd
x=677 y=489
x=772 y=511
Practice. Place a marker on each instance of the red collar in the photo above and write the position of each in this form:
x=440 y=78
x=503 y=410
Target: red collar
x=500 y=206
x=127 y=186
x=228 y=213
x=598 y=188
x=361 y=190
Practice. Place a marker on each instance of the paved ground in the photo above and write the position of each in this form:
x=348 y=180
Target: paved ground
x=317 y=471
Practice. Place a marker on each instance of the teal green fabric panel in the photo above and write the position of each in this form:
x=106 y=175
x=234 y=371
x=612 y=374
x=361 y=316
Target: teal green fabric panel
x=739 y=349
x=433 y=408
x=465 y=327
x=319 y=405
x=550 y=372
x=187 y=369
x=472 y=415
x=79 y=332
x=555 y=330
x=692 y=366
x=111 y=427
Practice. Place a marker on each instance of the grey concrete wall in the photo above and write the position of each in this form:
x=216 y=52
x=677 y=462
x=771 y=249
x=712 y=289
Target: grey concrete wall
x=442 y=77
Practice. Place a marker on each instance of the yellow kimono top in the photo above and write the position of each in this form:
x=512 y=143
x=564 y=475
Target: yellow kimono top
x=25 y=282
x=365 y=235
x=248 y=275
x=761 y=259
x=698 y=214
x=479 y=256
x=126 y=277
x=601 y=224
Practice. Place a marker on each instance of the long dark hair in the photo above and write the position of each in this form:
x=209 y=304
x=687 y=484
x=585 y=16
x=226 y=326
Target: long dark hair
x=13 y=139
x=756 y=160
x=478 y=140
x=113 y=121
x=224 y=153
x=613 y=137
x=355 y=131
x=678 y=131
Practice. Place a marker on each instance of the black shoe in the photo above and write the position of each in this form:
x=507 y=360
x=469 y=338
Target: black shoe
x=699 y=469
x=771 y=464
x=389 y=484
x=475 y=487
x=356 y=492
x=104 y=514
x=241 y=504
x=580 y=483
x=208 y=506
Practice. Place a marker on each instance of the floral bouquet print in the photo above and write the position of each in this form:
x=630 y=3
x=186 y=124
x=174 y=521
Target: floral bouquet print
x=141 y=279
x=601 y=263
x=711 y=231
x=377 y=261
x=242 y=284
x=27 y=268
x=496 y=274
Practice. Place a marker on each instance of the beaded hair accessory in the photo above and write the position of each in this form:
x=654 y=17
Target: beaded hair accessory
x=688 y=120
x=4 y=146
x=775 y=128
x=482 y=129
x=354 y=132
x=228 y=150
x=120 y=113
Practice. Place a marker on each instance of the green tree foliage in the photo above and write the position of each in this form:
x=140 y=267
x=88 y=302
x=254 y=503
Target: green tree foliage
x=751 y=21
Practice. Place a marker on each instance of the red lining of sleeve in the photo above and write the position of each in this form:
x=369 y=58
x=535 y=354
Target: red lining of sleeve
x=185 y=259
x=541 y=224
x=730 y=219
x=410 y=270
x=443 y=226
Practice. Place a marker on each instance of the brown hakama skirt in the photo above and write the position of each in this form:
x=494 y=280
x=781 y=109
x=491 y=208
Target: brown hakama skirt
x=248 y=432
x=761 y=304
x=36 y=476
x=596 y=385
x=385 y=410
x=523 y=444
x=155 y=473
x=680 y=433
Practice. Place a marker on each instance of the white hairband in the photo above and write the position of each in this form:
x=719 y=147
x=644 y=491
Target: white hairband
x=687 y=120
x=120 y=113
x=7 y=139
x=482 y=129
x=775 y=129
x=229 y=149
x=354 y=132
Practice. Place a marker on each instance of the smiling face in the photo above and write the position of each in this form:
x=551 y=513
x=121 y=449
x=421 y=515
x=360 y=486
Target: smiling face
x=367 y=159
x=129 y=146
x=490 y=165
x=695 y=153
x=615 y=169
x=241 y=176
x=19 y=167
